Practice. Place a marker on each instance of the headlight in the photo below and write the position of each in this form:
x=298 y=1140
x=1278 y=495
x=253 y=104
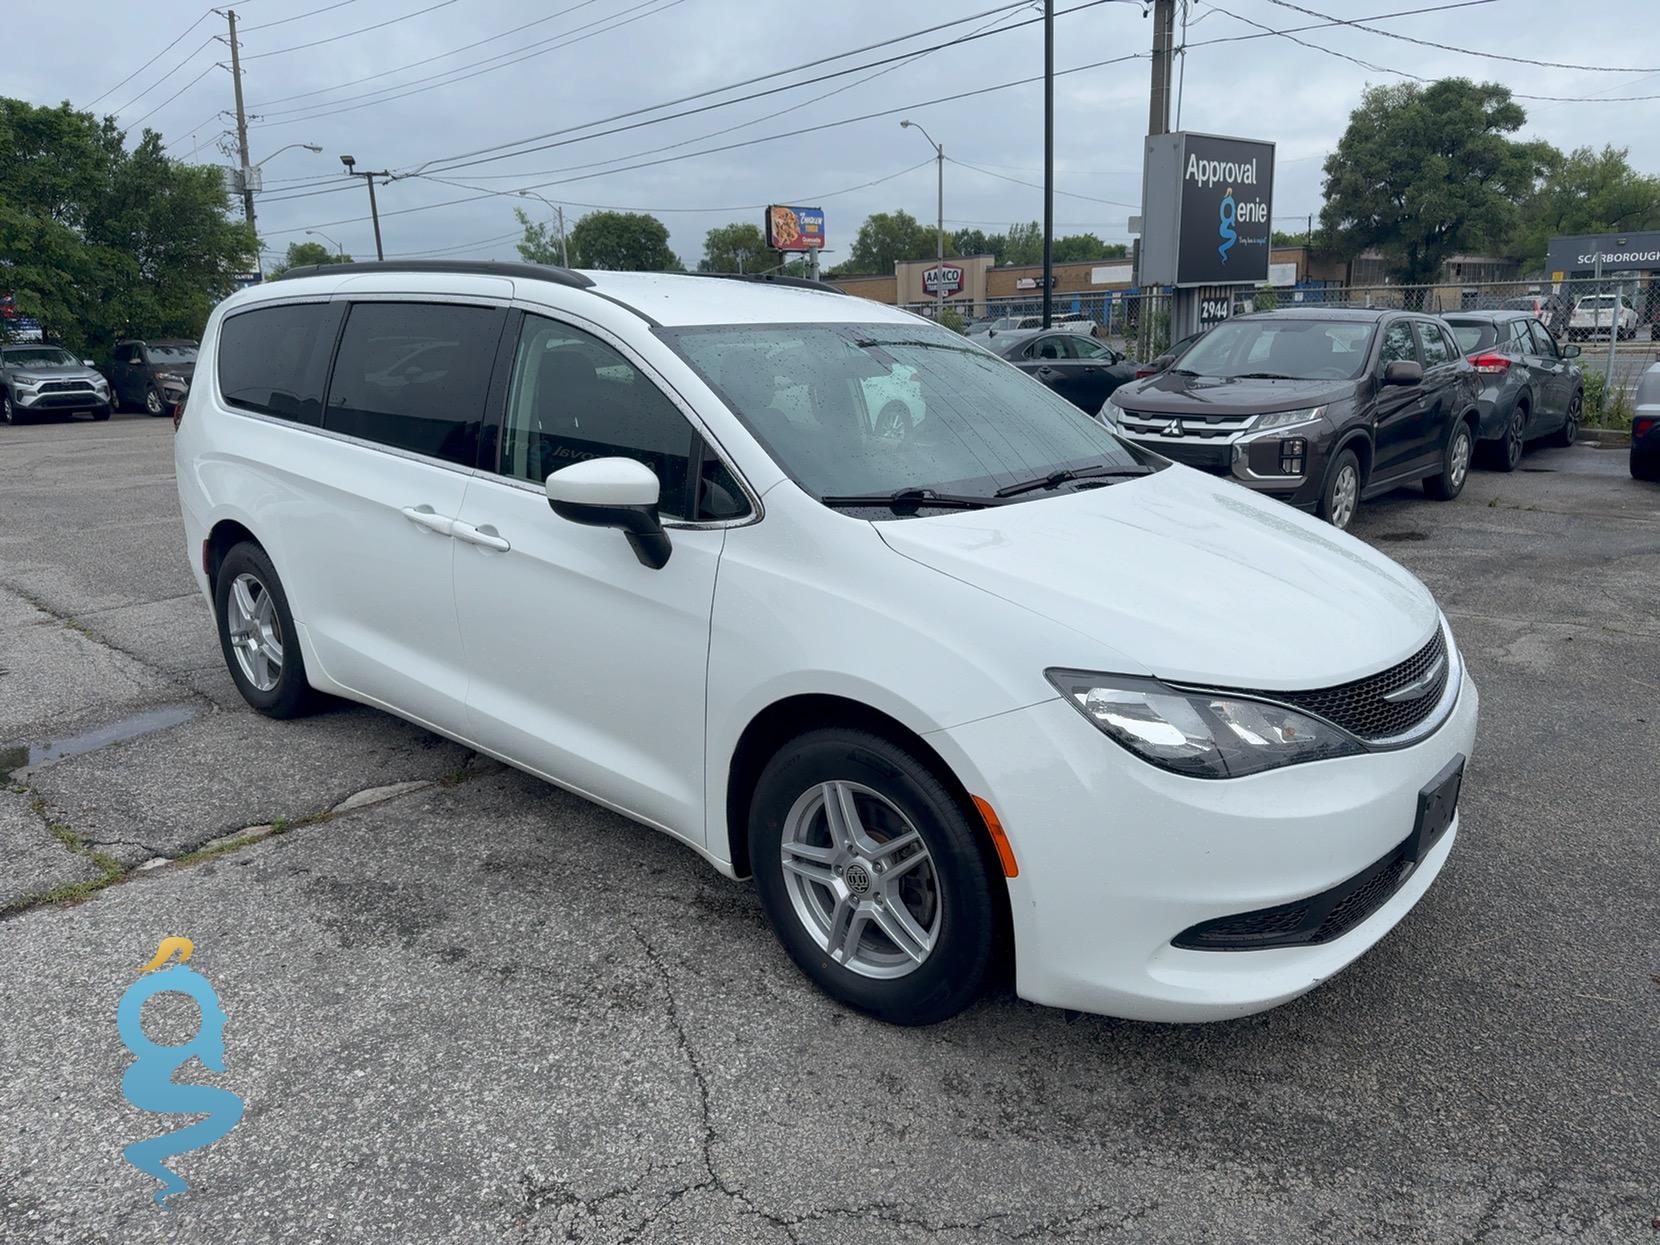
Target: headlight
x=98 y=382
x=1198 y=734
x=1285 y=419
x=173 y=376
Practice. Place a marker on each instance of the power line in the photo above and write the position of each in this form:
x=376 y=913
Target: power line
x=1038 y=186
x=164 y=77
x=767 y=138
x=339 y=4
x=460 y=246
x=332 y=108
x=1447 y=47
x=362 y=30
x=466 y=47
x=155 y=58
x=174 y=96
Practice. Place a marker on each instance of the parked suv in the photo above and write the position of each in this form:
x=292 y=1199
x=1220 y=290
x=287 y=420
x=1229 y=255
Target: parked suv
x=1529 y=389
x=154 y=375
x=1319 y=408
x=38 y=380
x=946 y=686
x=1596 y=315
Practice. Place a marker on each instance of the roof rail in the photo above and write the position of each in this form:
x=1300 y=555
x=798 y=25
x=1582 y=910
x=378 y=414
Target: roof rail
x=800 y=283
x=479 y=267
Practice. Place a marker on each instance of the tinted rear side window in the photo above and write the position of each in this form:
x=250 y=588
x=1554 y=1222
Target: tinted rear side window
x=275 y=360
x=1473 y=335
x=415 y=376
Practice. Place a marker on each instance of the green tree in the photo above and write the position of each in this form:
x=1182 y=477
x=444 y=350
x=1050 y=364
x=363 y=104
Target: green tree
x=1022 y=245
x=305 y=254
x=540 y=244
x=738 y=247
x=1423 y=172
x=622 y=241
x=98 y=242
x=1083 y=246
x=976 y=242
x=884 y=239
x=1586 y=191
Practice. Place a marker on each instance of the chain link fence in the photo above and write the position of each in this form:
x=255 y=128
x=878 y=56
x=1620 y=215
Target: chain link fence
x=1614 y=321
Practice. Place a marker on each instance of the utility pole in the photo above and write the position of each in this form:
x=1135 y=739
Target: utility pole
x=374 y=212
x=1048 y=161
x=564 y=255
x=242 y=133
x=939 y=238
x=1164 y=42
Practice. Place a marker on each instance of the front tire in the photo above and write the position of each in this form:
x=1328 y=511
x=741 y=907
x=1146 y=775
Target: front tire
x=1455 y=465
x=153 y=404
x=1341 y=496
x=8 y=413
x=872 y=877
x=257 y=635
x=1568 y=433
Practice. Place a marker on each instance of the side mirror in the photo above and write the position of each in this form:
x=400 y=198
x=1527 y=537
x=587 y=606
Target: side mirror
x=1570 y=351
x=613 y=492
x=87 y=363
x=1403 y=372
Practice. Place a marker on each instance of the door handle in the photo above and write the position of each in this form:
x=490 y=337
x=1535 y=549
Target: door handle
x=478 y=536
x=425 y=516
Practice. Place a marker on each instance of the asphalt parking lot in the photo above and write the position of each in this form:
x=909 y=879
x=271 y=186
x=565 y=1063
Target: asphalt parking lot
x=476 y=1008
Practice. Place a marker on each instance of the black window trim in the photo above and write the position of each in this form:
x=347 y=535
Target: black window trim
x=496 y=415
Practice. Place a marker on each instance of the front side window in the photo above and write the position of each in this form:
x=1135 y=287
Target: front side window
x=414 y=376
x=1543 y=342
x=1432 y=344
x=1397 y=345
x=275 y=360
x=1282 y=348
x=574 y=397
x=856 y=409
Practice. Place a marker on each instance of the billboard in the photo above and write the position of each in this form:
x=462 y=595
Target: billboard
x=948 y=279
x=1636 y=250
x=1209 y=207
x=795 y=228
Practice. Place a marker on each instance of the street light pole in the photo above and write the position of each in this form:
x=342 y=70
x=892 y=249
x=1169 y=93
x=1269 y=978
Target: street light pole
x=559 y=214
x=374 y=212
x=338 y=249
x=939 y=239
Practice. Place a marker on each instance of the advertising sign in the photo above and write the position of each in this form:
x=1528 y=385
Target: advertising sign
x=1209 y=206
x=795 y=228
x=949 y=279
x=1620 y=252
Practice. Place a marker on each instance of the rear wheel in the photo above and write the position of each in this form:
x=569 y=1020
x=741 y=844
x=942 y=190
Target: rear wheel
x=1342 y=492
x=152 y=402
x=1505 y=454
x=872 y=877
x=1455 y=465
x=1568 y=433
x=257 y=636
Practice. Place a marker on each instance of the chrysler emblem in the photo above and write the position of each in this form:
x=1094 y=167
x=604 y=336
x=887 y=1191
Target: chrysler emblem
x=1419 y=687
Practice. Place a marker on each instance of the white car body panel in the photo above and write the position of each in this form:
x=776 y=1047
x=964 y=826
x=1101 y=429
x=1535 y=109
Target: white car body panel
x=944 y=624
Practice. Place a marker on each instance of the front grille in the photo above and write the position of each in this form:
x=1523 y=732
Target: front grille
x=66 y=386
x=1199 y=427
x=1360 y=708
x=1305 y=922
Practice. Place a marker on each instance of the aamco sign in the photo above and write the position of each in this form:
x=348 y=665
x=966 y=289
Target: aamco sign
x=947 y=280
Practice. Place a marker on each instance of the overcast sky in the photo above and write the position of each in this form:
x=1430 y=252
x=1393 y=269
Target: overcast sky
x=583 y=62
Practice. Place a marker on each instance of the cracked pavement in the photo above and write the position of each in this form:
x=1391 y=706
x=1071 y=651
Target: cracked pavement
x=467 y=1006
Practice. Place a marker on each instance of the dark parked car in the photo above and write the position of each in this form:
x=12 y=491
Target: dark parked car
x=1528 y=388
x=1162 y=361
x=1645 y=427
x=153 y=375
x=1320 y=408
x=1079 y=368
x=49 y=380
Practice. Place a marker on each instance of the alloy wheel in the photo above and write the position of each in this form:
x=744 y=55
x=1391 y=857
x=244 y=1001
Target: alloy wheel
x=861 y=879
x=6 y=412
x=255 y=631
x=1570 y=428
x=1515 y=438
x=1345 y=491
x=152 y=402
x=1459 y=461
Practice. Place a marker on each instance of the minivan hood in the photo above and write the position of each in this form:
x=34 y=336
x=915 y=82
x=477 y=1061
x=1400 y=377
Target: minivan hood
x=1168 y=392
x=1196 y=578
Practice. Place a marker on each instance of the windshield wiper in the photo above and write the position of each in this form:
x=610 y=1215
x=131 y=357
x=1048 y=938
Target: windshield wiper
x=1263 y=376
x=1180 y=371
x=911 y=499
x=1057 y=478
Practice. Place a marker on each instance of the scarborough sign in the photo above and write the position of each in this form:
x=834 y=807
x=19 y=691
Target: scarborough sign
x=1209 y=209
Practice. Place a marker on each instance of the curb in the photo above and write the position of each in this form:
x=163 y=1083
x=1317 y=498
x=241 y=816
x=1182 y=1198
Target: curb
x=1604 y=436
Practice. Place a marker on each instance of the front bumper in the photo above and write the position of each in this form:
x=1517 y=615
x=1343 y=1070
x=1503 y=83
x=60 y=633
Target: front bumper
x=1251 y=460
x=1117 y=858
x=73 y=400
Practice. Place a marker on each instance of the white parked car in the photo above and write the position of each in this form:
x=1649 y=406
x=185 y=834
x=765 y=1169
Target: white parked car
x=987 y=685
x=1596 y=314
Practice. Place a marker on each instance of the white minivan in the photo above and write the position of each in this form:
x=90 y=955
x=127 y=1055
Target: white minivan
x=962 y=681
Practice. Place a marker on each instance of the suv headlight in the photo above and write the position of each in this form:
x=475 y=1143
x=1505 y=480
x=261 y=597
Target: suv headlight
x=1286 y=419
x=1201 y=735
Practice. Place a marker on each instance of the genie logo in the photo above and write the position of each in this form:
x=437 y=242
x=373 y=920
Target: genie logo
x=148 y=1084
x=1225 y=230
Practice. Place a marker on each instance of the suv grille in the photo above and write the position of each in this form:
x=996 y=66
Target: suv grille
x=1304 y=922
x=1224 y=428
x=66 y=386
x=1360 y=707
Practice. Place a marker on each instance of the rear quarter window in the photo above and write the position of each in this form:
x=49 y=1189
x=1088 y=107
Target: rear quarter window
x=275 y=360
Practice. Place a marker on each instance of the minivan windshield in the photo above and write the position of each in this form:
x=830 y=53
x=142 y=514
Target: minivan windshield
x=869 y=410
x=1281 y=348
x=39 y=356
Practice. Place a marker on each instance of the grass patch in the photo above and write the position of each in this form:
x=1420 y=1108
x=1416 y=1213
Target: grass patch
x=109 y=869
x=72 y=625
